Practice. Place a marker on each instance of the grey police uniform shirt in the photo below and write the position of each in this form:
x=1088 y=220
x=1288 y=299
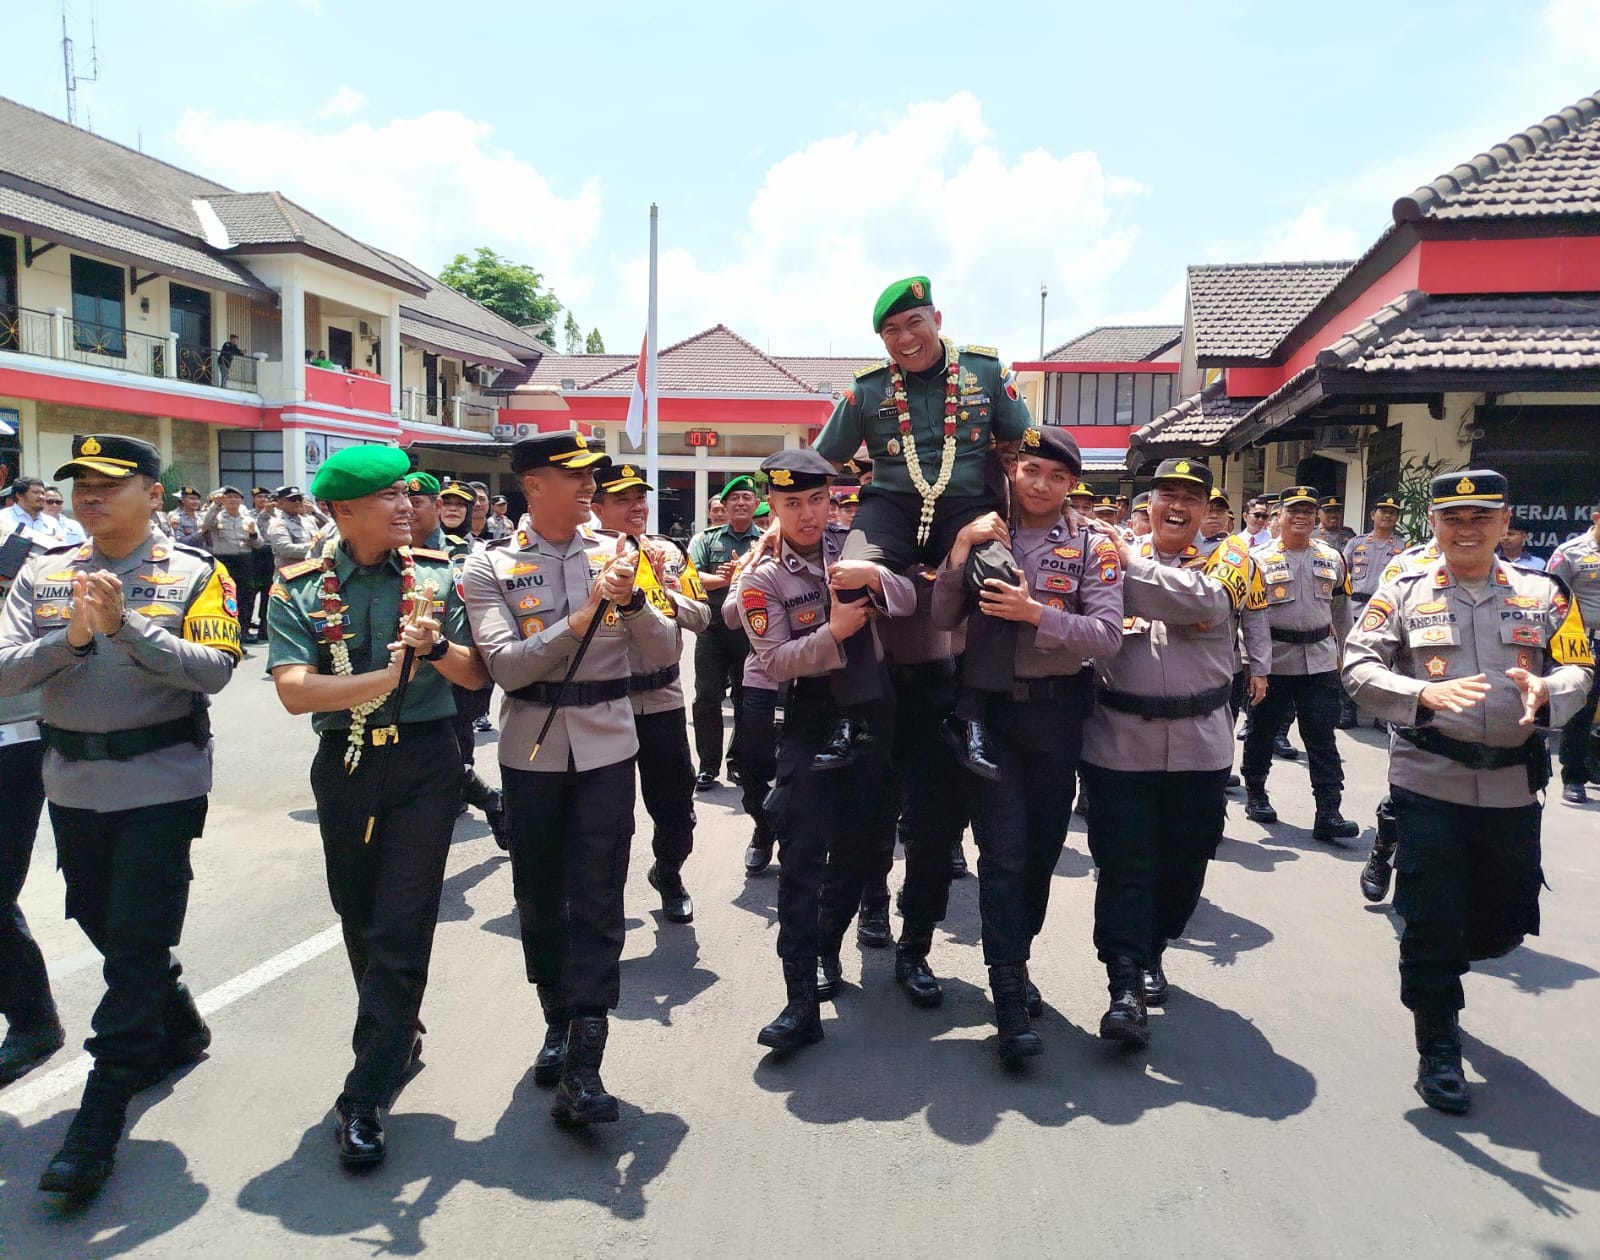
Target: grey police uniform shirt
x=179 y=645
x=520 y=594
x=1425 y=627
x=1577 y=563
x=291 y=537
x=1075 y=573
x=1179 y=638
x=1306 y=590
x=1255 y=634
x=227 y=535
x=1366 y=558
x=784 y=604
x=685 y=613
x=755 y=673
x=186 y=529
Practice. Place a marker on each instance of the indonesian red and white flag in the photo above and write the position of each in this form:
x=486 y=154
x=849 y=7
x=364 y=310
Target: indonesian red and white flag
x=635 y=425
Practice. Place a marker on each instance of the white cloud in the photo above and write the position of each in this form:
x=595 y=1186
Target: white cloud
x=425 y=188
x=929 y=192
x=1310 y=236
x=343 y=103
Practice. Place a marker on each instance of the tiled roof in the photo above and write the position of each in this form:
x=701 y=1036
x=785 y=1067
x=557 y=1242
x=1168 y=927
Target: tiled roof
x=1418 y=332
x=456 y=344
x=442 y=304
x=1192 y=425
x=717 y=360
x=580 y=368
x=270 y=218
x=836 y=371
x=1552 y=168
x=1243 y=310
x=1118 y=343
x=23 y=212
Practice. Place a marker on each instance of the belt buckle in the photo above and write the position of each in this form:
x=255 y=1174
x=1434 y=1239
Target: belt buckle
x=384 y=735
x=96 y=747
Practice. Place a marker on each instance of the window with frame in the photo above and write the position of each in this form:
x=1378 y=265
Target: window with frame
x=98 y=307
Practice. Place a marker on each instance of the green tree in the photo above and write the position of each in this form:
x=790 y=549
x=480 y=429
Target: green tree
x=572 y=333
x=596 y=343
x=513 y=291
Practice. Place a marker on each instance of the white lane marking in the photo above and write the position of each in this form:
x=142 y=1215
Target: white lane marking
x=32 y=1094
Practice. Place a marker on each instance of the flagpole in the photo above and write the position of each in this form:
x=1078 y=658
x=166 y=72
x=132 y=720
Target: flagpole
x=652 y=452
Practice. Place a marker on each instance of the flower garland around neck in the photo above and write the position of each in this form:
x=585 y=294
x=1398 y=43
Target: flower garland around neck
x=333 y=623
x=908 y=440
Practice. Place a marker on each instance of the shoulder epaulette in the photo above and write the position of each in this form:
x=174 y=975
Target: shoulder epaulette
x=871 y=368
x=988 y=351
x=60 y=549
x=428 y=553
x=299 y=569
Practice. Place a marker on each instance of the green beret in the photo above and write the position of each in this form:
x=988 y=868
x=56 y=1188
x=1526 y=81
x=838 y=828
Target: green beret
x=763 y=510
x=742 y=482
x=422 y=483
x=902 y=295
x=358 y=471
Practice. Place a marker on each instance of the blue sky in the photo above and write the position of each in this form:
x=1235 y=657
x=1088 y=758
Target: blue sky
x=804 y=155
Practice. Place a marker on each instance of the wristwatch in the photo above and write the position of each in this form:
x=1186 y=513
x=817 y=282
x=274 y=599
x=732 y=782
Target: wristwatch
x=439 y=650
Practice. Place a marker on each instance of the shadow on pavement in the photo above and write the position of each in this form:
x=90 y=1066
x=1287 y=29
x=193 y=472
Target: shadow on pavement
x=1253 y=855
x=657 y=983
x=1220 y=935
x=453 y=907
x=384 y=1209
x=151 y=1192
x=1533 y=972
x=1201 y=1054
x=1517 y=1109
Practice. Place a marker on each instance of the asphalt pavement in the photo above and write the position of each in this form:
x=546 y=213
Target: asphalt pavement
x=1272 y=1114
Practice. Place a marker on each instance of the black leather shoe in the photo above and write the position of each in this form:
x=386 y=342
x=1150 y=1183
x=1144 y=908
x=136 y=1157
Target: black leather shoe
x=799 y=1023
x=1125 y=1020
x=26 y=1048
x=1234 y=781
x=1574 y=794
x=483 y=726
x=759 y=855
x=735 y=775
x=1378 y=871
x=359 y=1132
x=676 y=904
x=830 y=977
x=958 y=863
x=76 y=1175
x=844 y=747
x=912 y=973
x=552 y=1056
x=1257 y=806
x=1154 y=985
x=973 y=750
x=1440 y=1082
x=1329 y=826
x=872 y=925
x=705 y=781
x=581 y=1098
x=1281 y=747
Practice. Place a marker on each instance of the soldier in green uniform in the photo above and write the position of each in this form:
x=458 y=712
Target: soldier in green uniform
x=927 y=415
x=340 y=622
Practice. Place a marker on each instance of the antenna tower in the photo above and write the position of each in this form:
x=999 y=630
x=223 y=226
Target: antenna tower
x=69 y=70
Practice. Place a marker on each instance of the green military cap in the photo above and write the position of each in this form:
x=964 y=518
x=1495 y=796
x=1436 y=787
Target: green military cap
x=459 y=490
x=110 y=455
x=762 y=509
x=1194 y=472
x=1299 y=494
x=1388 y=501
x=902 y=295
x=619 y=477
x=1479 y=487
x=799 y=469
x=746 y=482
x=358 y=471
x=420 y=482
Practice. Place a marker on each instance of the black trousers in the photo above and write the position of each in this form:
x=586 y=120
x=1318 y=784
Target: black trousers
x=666 y=781
x=1577 y=750
x=1467 y=883
x=127 y=875
x=885 y=532
x=386 y=890
x=718 y=669
x=758 y=756
x=1151 y=834
x=24 y=984
x=470 y=706
x=823 y=857
x=570 y=836
x=1021 y=822
x=1315 y=699
x=254 y=594
x=924 y=806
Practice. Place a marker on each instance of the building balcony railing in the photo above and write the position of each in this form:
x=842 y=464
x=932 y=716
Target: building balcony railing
x=359 y=391
x=56 y=335
x=420 y=407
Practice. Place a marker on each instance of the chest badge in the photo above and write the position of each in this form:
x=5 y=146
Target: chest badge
x=893 y=446
x=1436 y=667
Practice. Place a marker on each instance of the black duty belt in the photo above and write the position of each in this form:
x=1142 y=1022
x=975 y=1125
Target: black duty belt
x=654 y=680
x=121 y=745
x=918 y=673
x=1060 y=687
x=1302 y=636
x=1168 y=708
x=575 y=695
x=1473 y=756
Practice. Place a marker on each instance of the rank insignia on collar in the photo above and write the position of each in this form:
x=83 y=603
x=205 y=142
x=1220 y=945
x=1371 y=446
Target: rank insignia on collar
x=159 y=552
x=1436 y=667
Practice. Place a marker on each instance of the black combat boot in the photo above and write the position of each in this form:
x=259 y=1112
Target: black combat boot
x=86 y=1157
x=872 y=924
x=1440 y=1081
x=973 y=750
x=800 y=1022
x=185 y=1037
x=477 y=793
x=849 y=739
x=1018 y=1041
x=1031 y=994
x=676 y=904
x=1125 y=1020
x=1349 y=715
x=552 y=1056
x=1257 y=808
x=1281 y=747
x=911 y=970
x=581 y=1098
x=1375 y=875
x=1154 y=981
x=830 y=974
x=759 y=855
x=27 y=1045
x=1329 y=825
x=958 y=862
